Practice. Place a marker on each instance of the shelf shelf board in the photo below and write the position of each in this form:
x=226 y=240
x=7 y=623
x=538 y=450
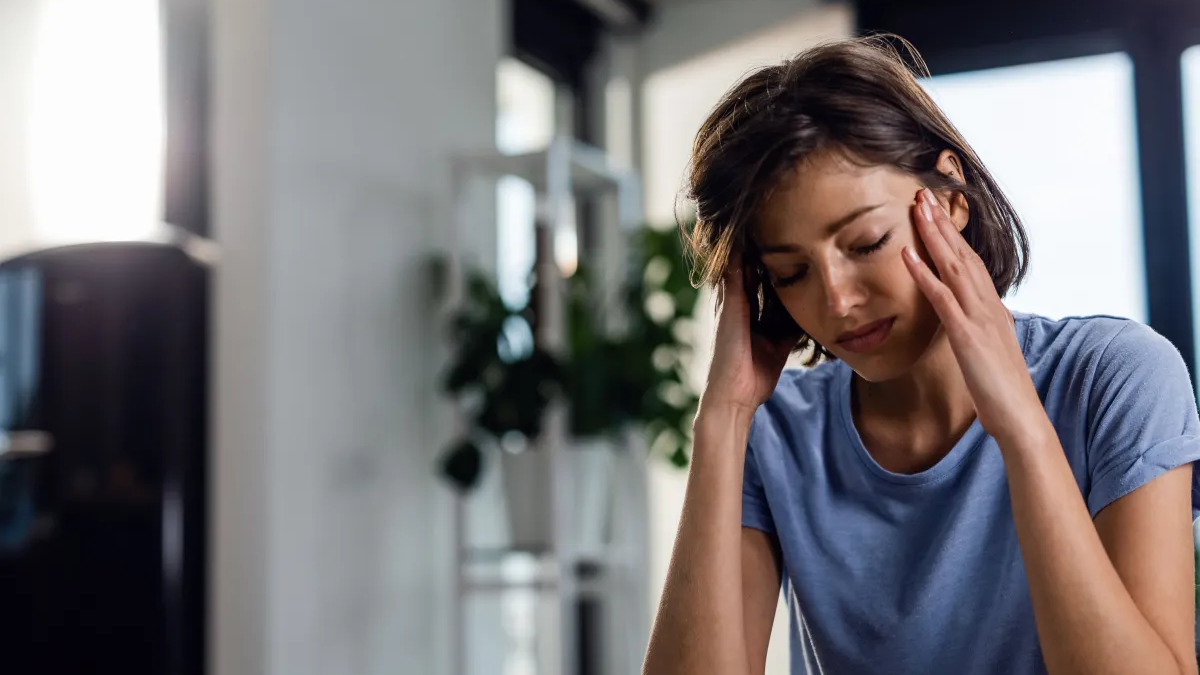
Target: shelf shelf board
x=592 y=171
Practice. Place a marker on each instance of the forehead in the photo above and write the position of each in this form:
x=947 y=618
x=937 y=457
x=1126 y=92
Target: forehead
x=822 y=189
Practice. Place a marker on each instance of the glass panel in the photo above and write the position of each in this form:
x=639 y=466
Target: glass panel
x=1060 y=138
x=525 y=122
x=1191 y=119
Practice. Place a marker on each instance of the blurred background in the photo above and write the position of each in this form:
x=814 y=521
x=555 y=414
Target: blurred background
x=353 y=337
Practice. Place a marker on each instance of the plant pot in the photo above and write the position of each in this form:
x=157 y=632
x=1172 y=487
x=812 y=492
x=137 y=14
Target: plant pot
x=588 y=493
x=592 y=462
x=527 y=478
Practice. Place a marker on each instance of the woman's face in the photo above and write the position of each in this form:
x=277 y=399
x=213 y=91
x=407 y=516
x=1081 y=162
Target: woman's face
x=831 y=236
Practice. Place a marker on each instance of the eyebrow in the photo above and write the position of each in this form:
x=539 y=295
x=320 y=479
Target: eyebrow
x=830 y=229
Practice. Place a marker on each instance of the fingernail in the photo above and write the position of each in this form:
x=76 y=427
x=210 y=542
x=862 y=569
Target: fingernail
x=910 y=254
x=929 y=196
x=925 y=210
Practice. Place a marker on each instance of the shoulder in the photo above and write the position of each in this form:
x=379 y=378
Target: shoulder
x=1092 y=331
x=1095 y=342
x=1130 y=397
x=1120 y=367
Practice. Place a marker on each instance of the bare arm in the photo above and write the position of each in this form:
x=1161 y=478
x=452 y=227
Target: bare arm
x=1110 y=597
x=722 y=586
x=761 y=574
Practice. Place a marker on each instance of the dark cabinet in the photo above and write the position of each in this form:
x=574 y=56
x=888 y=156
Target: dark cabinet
x=103 y=447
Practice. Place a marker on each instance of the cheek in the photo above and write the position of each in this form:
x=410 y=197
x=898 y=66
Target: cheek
x=888 y=276
x=897 y=270
x=798 y=302
x=805 y=308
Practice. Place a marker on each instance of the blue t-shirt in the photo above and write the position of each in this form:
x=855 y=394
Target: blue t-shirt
x=913 y=574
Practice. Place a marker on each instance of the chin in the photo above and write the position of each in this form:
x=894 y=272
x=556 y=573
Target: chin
x=878 y=367
x=891 y=360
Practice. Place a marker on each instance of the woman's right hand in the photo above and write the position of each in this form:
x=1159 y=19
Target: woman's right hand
x=745 y=365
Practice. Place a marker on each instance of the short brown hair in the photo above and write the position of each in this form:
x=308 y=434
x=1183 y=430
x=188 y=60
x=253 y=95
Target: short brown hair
x=857 y=97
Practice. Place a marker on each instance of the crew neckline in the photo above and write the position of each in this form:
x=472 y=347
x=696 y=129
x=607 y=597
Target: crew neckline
x=970 y=440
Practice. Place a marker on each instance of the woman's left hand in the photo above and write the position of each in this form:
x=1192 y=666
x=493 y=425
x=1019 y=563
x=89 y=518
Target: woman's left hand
x=976 y=322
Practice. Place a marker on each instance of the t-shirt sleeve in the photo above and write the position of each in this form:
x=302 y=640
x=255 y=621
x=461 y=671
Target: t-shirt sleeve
x=1142 y=418
x=755 y=511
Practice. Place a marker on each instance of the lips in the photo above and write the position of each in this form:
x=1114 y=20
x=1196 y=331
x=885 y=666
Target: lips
x=868 y=337
x=865 y=330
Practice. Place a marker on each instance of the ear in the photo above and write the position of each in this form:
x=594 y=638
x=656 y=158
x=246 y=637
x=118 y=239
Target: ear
x=948 y=164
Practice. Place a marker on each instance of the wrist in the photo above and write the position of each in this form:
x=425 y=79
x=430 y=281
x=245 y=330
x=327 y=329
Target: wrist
x=714 y=414
x=1034 y=437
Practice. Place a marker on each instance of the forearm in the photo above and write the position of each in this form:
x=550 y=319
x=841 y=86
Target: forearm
x=1087 y=622
x=699 y=626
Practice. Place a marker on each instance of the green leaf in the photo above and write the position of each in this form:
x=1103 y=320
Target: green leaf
x=607 y=380
x=462 y=465
x=680 y=458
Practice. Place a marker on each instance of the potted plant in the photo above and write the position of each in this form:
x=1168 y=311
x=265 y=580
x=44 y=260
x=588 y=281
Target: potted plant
x=609 y=378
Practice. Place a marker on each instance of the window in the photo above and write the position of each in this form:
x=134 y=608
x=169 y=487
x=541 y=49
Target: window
x=1191 y=119
x=82 y=140
x=525 y=122
x=96 y=122
x=1060 y=138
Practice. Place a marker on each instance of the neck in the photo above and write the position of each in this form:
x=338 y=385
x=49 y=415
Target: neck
x=932 y=391
x=910 y=423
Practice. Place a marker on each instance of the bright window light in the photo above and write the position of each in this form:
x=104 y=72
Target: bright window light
x=1191 y=117
x=525 y=123
x=1061 y=140
x=96 y=128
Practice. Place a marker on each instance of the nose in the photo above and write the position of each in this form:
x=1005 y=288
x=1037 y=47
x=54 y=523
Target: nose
x=841 y=288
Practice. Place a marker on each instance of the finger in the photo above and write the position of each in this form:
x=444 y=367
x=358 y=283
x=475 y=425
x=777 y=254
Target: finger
x=981 y=296
x=973 y=264
x=949 y=264
x=931 y=235
x=945 y=225
x=944 y=301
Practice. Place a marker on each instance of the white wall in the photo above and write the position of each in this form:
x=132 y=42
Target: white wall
x=699 y=51
x=18 y=19
x=687 y=29
x=678 y=96
x=333 y=126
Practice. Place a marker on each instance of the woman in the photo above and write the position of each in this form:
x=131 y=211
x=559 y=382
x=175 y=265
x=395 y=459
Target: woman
x=954 y=488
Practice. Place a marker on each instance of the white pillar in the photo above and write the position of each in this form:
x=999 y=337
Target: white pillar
x=334 y=123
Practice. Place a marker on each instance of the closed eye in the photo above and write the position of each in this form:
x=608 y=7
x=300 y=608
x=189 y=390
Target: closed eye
x=866 y=250
x=793 y=278
x=802 y=271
